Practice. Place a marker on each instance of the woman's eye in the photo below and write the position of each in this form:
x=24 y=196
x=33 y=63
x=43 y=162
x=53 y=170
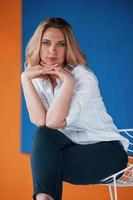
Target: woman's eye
x=61 y=44
x=45 y=43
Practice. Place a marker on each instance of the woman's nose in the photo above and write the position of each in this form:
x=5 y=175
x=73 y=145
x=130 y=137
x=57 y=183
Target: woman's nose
x=52 y=49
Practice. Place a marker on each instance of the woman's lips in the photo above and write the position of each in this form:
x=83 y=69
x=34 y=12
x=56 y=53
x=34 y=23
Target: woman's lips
x=51 y=58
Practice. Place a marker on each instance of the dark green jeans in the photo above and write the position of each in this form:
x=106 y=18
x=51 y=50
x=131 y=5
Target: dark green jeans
x=55 y=158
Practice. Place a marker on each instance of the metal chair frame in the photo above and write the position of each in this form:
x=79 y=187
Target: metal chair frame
x=126 y=180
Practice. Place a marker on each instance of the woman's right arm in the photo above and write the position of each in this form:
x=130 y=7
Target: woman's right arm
x=36 y=110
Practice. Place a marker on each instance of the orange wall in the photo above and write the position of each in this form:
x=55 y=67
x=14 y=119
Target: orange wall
x=15 y=174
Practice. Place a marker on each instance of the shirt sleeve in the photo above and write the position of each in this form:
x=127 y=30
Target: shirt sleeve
x=85 y=89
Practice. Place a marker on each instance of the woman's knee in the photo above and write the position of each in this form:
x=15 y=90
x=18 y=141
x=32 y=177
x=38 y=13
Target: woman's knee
x=44 y=129
x=43 y=135
x=43 y=141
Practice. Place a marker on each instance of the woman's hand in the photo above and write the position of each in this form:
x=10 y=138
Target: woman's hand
x=35 y=72
x=57 y=71
x=43 y=70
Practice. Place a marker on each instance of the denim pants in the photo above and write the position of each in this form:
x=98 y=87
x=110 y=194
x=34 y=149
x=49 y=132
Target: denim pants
x=55 y=158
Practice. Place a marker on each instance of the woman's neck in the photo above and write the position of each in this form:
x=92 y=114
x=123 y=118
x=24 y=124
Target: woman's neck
x=52 y=80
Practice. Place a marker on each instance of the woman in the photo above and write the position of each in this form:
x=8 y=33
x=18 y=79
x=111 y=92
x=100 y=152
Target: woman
x=76 y=140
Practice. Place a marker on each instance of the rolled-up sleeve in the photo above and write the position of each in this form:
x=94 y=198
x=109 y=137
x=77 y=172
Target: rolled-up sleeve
x=86 y=87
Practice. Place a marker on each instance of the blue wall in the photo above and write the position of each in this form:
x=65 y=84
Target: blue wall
x=104 y=31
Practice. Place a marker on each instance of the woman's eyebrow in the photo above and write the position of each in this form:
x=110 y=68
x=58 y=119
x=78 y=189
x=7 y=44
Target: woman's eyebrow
x=50 y=40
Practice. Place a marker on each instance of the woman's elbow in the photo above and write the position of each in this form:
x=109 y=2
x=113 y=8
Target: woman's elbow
x=55 y=125
x=51 y=125
x=38 y=122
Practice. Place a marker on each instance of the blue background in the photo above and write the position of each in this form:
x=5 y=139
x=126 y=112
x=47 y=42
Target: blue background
x=104 y=31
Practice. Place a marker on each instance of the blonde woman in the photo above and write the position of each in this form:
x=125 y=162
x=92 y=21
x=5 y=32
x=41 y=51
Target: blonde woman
x=76 y=140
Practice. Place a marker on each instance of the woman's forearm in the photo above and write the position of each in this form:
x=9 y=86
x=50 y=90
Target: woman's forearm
x=58 y=111
x=36 y=110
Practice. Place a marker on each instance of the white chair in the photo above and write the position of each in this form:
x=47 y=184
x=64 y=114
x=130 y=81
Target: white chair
x=126 y=180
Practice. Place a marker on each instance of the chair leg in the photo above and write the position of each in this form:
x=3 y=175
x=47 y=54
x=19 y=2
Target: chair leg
x=115 y=189
x=110 y=192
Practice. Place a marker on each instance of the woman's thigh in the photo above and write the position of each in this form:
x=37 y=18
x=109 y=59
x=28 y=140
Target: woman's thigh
x=88 y=164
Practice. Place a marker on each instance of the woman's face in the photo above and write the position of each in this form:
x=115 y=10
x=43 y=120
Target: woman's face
x=53 y=47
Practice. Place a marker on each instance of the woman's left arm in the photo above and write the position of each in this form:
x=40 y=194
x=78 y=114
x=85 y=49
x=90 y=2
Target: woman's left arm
x=58 y=111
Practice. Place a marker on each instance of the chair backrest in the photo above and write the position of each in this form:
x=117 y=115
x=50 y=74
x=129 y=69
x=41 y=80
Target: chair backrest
x=127 y=177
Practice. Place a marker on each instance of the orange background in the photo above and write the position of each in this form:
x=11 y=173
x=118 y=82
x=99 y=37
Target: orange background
x=15 y=174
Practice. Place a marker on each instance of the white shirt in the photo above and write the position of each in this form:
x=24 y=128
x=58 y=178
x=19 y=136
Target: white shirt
x=87 y=121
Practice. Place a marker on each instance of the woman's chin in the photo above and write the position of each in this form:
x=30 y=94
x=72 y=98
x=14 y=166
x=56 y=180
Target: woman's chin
x=50 y=63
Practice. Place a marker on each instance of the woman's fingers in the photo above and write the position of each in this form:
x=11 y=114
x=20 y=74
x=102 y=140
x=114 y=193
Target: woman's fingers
x=49 y=70
x=41 y=71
